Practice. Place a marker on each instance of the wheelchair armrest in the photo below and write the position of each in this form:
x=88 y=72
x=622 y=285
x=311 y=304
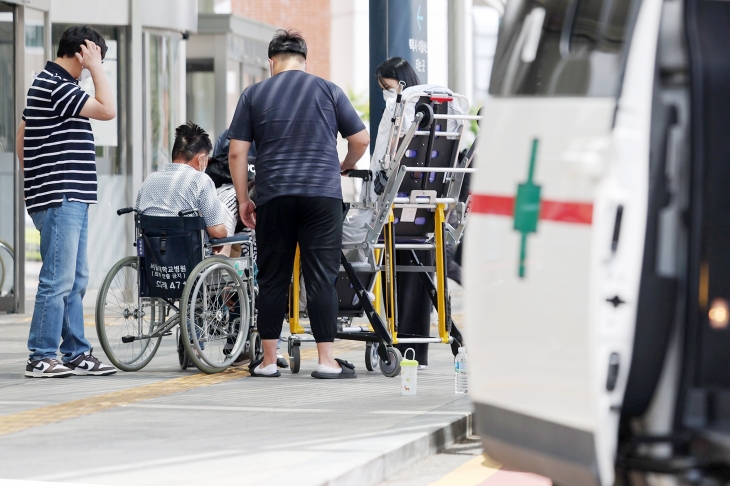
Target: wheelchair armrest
x=187 y=212
x=229 y=240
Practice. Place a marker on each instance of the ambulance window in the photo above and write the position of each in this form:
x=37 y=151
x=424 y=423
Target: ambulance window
x=561 y=48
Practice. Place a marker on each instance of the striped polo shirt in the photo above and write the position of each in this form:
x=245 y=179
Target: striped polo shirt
x=58 y=151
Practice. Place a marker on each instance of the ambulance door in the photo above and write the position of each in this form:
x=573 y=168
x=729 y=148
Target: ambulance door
x=705 y=396
x=560 y=155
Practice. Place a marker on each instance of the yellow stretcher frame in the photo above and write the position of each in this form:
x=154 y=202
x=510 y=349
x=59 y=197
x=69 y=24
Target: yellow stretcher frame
x=441 y=276
x=294 y=326
x=386 y=301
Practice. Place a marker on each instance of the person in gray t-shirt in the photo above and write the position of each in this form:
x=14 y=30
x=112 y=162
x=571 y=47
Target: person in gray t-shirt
x=183 y=184
x=294 y=117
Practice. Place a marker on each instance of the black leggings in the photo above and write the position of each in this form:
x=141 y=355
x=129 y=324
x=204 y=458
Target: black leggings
x=316 y=224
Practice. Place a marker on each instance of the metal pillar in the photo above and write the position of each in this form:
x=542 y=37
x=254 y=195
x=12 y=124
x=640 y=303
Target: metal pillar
x=398 y=28
x=460 y=47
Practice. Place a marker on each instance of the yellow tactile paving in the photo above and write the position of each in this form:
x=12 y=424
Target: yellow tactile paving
x=471 y=473
x=77 y=408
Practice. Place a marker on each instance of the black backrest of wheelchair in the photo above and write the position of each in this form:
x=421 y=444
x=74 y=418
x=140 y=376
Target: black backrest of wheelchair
x=168 y=250
x=443 y=154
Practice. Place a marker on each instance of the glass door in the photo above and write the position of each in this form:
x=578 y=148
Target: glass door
x=162 y=100
x=34 y=61
x=7 y=158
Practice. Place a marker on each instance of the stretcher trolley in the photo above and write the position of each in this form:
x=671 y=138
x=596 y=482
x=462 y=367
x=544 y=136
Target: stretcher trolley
x=172 y=285
x=416 y=188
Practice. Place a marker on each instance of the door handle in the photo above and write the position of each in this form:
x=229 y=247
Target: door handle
x=617 y=228
x=612 y=378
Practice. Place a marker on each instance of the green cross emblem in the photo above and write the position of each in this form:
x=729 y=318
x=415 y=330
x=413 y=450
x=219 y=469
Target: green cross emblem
x=527 y=209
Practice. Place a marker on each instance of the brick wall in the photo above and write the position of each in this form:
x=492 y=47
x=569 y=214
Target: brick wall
x=311 y=17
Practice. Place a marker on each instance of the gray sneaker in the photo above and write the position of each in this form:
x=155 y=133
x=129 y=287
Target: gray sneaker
x=46 y=368
x=87 y=364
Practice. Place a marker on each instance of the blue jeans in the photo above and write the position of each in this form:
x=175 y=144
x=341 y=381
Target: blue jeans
x=59 y=312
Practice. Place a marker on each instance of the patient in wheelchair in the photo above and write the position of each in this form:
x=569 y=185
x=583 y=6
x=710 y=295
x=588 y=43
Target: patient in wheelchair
x=183 y=184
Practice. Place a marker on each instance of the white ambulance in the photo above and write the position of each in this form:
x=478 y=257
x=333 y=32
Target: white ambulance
x=597 y=257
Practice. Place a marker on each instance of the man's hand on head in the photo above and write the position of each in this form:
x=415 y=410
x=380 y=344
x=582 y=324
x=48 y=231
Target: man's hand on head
x=246 y=209
x=102 y=106
x=90 y=55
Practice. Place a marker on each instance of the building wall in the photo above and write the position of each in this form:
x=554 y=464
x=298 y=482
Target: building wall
x=311 y=17
x=350 y=67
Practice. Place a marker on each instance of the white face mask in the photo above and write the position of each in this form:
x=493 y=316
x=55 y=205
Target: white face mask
x=388 y=94
x=85 y=74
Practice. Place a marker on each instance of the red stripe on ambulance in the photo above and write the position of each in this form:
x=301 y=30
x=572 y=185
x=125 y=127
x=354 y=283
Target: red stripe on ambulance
x=560 y=211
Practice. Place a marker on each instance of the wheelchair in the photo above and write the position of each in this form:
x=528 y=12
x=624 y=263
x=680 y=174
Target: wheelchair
x=170 y=284
x=416 y=189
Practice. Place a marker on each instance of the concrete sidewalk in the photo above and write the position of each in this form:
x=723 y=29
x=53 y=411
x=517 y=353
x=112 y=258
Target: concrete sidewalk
x=293 y=430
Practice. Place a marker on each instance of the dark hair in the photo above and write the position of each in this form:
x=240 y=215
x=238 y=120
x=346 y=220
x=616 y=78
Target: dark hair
x=288 y=42
x=73 y=38
x=190 y=140
x=397 y=68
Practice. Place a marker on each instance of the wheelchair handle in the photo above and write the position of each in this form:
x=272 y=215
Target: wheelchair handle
x=229 y=240
x=365 y=175
x=125 y=211
x=187 y=212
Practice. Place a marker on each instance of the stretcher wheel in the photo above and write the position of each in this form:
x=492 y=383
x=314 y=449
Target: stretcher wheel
x=372 y=360
x=391 y=369
x=255 y=347
x=295 y=359
x=428 y=116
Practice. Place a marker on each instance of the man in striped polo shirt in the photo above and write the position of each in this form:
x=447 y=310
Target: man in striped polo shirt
x=56 y=151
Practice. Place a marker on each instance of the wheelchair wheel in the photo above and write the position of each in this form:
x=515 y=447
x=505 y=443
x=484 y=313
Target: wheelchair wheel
x=215 y=314
x=182 y=355
x=372 y=360
x=255 y=347
x=295 y=359
x=391 y=369
x=121 y=315
x=7 y=257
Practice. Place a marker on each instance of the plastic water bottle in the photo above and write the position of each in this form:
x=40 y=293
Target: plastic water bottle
x=461 y=368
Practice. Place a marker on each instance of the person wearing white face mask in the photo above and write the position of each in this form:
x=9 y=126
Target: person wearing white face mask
x=389 y=94
x=414 y=303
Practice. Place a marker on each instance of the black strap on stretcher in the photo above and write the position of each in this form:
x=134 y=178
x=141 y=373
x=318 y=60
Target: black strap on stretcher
x=374 y=318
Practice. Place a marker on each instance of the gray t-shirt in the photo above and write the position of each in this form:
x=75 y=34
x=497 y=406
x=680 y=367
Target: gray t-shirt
x=294 y=118
x=179 y=187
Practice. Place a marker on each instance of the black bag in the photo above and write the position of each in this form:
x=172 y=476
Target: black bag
x=219 y=170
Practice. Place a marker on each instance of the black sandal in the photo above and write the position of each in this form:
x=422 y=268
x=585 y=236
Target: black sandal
x=348 y=371
x=254 y=364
